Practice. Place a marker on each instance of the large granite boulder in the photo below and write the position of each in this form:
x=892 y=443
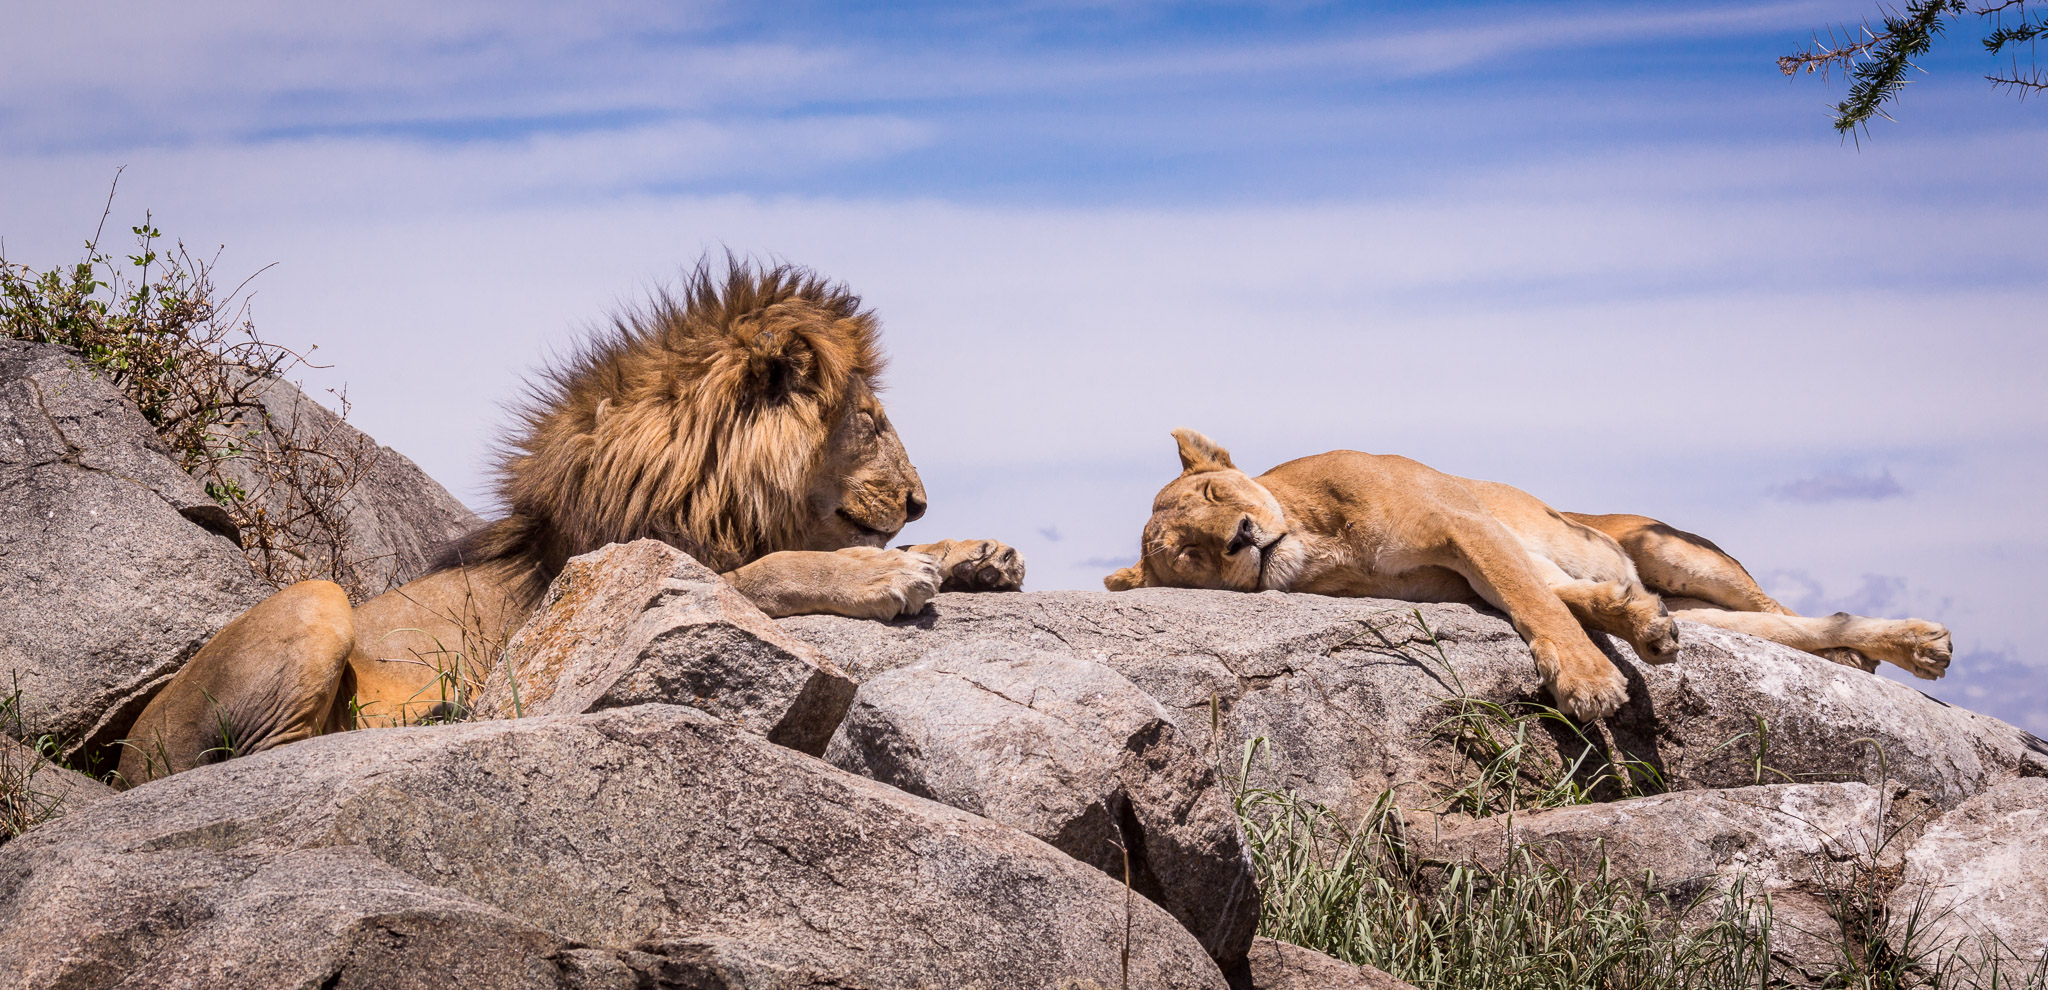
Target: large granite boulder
x=1073 y=753
x=378 y=520
x=1979 y=876
x=1785 y=841
x=1351 y=693
x=645 y=846
x=642 y=622
x=116 y=566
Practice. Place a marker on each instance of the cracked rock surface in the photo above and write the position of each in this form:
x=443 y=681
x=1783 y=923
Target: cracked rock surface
x=644 y=846
x=1071 y=752
x=1348 y=692
x=115 y=565
x=1982 y=872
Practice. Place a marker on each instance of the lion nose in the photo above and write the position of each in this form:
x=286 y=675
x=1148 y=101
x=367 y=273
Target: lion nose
x=913 y=507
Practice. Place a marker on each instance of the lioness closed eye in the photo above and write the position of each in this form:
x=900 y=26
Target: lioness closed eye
x=1373 y=525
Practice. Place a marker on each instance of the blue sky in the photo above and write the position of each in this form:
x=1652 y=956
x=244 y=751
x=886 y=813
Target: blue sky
x=1601 y=251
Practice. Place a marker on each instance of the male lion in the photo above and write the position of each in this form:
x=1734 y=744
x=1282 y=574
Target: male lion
x=1380 y=526
x=738 y=423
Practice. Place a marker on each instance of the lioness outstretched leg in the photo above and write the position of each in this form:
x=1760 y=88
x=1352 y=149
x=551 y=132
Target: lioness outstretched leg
x=1917 y=645
x=268 y=678
x=1686 y=565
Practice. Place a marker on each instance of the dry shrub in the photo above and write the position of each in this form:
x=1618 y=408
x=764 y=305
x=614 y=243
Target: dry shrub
x=190 y=358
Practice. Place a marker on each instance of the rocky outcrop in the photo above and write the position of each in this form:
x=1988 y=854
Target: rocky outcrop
x=1979 y=876
x=643 y=623
x=115 y=564
x=1280 y=966
x=1785 y=841
x=1350 y=693
x=643 y=846
x=379 y=513
x=1070 y=752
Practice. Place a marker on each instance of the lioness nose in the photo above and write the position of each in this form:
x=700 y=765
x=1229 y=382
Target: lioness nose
x=913 y=507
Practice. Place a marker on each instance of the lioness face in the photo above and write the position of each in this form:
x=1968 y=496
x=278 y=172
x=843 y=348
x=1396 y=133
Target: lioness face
x=864 y=490
x=1213 y=527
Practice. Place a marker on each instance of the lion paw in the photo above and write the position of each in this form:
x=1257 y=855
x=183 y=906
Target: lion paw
x=976 y=565
x=893 y=583
x=1658 y=643
x=1591 y=695
x=1919 y=646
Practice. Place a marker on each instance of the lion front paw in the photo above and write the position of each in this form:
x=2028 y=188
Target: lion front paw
x=976 y=565
x=892 y=583
x=1589 y=699
x=1586 y=685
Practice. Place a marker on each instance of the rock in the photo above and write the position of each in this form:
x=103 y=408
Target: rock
x=34 y=790
x=382 y=515
x=1781 y=840
x=116 y=565
x=1070 y=752
x=641 y=623
x=641 y=846
x=1280 y=966
x=1981 y=872
x=1350 y=692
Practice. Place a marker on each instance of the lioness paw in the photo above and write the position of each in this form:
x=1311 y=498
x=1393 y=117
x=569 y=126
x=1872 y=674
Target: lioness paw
x=976 y=565
x=1921 y=647
x=1591 y=697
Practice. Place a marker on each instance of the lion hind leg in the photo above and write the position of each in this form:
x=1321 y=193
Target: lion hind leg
x=268 y=678
x=1919 y=646
x=1674 y=562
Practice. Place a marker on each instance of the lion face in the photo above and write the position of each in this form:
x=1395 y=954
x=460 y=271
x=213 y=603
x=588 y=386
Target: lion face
x=1213 y=527
x=864 y=490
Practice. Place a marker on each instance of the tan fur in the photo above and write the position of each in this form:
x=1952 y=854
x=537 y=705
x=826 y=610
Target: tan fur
x=738 y=421
x=1367 y=525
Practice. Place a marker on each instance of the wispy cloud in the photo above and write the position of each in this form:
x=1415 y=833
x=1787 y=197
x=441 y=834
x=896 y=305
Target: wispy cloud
x=219 y=71
x=1995 y=682
x=1878 y=595
x=1839 y=486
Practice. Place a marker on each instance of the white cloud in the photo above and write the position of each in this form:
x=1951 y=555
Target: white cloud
x=129 y=71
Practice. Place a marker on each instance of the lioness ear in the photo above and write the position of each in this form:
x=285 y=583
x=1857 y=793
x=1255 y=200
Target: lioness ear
x=1199 y=453
x=1127 y=578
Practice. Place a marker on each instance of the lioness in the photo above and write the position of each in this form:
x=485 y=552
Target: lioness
x=739 y=423
x=1380 y=526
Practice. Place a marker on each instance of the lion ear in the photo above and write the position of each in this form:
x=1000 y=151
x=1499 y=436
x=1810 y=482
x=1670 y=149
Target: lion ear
x=778 y=363
x=1199 y=453
x=1127 y=578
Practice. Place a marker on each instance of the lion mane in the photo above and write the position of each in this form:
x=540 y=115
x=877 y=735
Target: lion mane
x=697 y=420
